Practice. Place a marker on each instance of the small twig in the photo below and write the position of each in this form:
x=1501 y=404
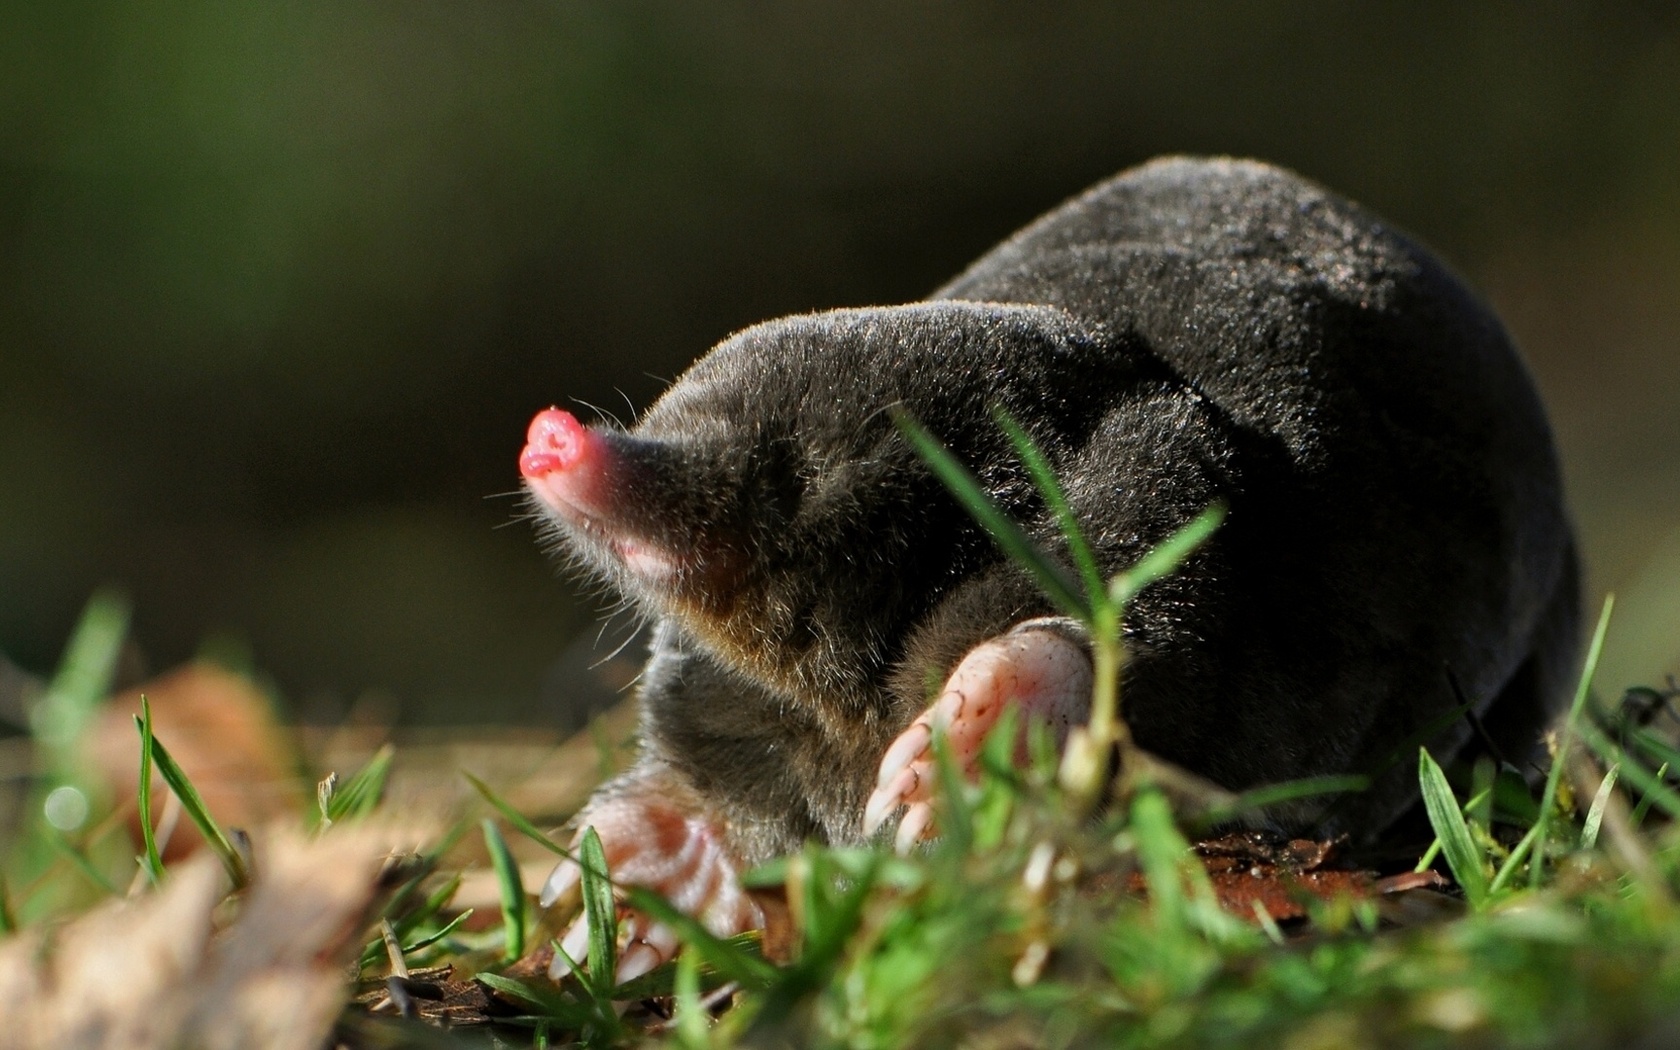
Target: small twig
x=393 y=950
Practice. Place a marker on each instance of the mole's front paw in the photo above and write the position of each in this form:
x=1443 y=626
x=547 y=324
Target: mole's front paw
x=1037 y=665
x=676 y=853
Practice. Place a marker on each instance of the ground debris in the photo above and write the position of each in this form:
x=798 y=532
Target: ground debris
x=1253 y=870
x=161 y=971
x=435 y=996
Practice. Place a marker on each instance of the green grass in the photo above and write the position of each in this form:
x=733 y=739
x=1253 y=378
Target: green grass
x=1021 y=926
x=1010 y=929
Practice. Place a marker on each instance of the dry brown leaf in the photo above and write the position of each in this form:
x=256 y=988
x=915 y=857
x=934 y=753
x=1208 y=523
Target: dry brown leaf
x=154 y=972
x=1283 y=876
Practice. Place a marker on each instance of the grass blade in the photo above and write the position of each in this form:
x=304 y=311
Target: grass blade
x=517 y=819
x=1051 y=577
x=661 y=981
x=58 y=722
x=1516 y=859
x=434 y=903
x=393 y=950
x=956 y=814
x=1427 y=861
x=193 y=803
x=829 y=928
x=541 y=995
x=8 y=918
x=601 y=913
x=1181 y=895
x=82 y=679
x=1595 y=814
x=81 y=863
x=511 y=890
x=1268 y=795
x=1656 y=791
x=731 y=960
x=410 y=920
x=1447 y=819
x=1648 y=746
x=690 y=1017
x=151 y=860
x=1659 y=789
x=1167 y=555
x=1549 y=797
x=1160 y=851
x=439 y=934
x=362 y=792
x=1051 y=490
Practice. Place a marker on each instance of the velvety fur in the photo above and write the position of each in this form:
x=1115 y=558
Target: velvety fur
x=1190 y=331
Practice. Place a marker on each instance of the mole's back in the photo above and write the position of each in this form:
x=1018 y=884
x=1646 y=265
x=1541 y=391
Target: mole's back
x=1411 y=481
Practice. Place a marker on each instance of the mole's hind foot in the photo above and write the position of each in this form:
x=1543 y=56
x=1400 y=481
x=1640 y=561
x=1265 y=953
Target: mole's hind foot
x=671 y=850
x=1038 y=666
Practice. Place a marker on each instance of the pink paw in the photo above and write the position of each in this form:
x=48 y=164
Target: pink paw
x=1036 y=667
x=680 y=856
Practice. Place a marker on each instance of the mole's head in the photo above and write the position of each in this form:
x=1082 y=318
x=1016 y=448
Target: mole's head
x=768 y=502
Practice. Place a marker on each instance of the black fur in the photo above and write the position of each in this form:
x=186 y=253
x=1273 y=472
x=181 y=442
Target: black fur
x=1190 y=331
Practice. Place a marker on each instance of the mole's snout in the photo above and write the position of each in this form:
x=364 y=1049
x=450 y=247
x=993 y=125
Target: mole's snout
x=568 y=466
x=553 y=441
x=614 y=494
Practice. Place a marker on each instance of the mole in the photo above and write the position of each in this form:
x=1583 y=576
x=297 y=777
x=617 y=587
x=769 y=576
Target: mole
x=1190 y=332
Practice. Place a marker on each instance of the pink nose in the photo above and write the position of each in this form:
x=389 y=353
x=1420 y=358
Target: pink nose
x=554 y=441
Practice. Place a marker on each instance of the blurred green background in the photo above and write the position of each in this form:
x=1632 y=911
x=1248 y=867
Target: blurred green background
x=282 y=282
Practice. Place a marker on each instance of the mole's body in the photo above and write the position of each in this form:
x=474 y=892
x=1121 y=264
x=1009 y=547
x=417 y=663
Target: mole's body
x=1188 y=332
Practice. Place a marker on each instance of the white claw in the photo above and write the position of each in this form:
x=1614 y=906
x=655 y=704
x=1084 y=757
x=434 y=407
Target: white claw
x=574 y=947
x=561 y=882
x=662 y=939
x=906 y=749
x=887 y=798
x=637 y=960
x=916 y=820
x=558 y=968
x=682 y=855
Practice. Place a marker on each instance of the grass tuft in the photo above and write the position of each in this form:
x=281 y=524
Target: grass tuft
x=1537 y=837
x=511 y=891
x=192 y=803
x=1452 y=831
x=360 y=794
x=150 y=860
x=1033 y=922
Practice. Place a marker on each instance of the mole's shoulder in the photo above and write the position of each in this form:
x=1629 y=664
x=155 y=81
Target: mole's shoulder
x=1293 y=309
x=1180 y=213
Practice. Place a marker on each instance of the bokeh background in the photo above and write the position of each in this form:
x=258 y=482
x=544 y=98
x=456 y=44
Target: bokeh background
x=282 y=282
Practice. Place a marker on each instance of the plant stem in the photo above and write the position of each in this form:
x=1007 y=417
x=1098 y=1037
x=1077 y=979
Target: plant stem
x=1107 y=655
x=1090 y=748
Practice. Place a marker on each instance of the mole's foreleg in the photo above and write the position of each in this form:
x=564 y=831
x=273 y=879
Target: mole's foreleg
x=1041 y=665
x=658 y=834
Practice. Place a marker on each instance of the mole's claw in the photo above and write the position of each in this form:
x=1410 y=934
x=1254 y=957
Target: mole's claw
x=681 y=854
x=1035 y=667
x=637 y=960
x=564 y=879
x=917 y=819
x=910 y=745
x=887 y=798
x=648 y=945
x=573 y=947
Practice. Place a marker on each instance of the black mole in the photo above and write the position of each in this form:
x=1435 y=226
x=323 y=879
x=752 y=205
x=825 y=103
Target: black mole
x=1188 y=332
